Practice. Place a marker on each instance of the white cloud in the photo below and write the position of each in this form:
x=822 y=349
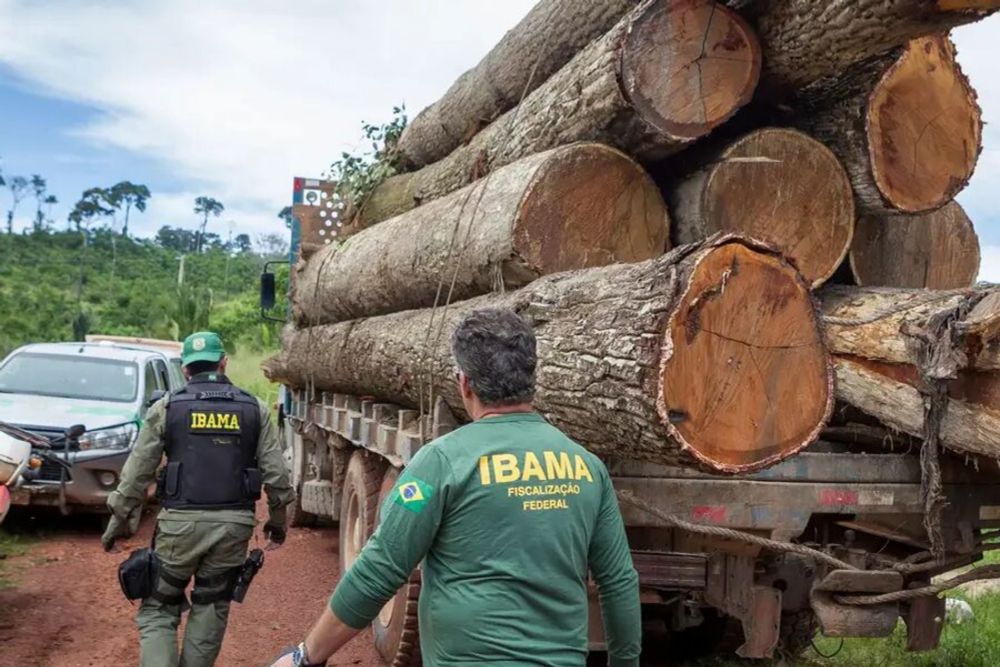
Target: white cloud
x=237 y=97
x=978 y=53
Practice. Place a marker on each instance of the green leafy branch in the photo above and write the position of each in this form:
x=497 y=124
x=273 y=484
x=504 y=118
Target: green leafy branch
x=357 y=175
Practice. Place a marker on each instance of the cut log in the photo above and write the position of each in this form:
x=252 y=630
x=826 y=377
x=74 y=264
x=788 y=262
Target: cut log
x=936 y=250
x=876 y=337
x=907 y=127
x=881 y=324
x=663 y=77
x=542 y=42
x=877 y=390
x=774 y=184
x=572 y=207
x=805 y=41
x=689 y=352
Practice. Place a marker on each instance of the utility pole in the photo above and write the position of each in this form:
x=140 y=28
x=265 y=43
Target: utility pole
x=180 y=271
x=229 y=254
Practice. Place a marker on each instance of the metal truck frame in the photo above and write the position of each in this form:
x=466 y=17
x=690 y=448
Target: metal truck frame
x=863 y=505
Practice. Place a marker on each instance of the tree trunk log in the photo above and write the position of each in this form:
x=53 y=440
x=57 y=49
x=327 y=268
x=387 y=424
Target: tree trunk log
x=877 y=389
x=572 y=207
x=882 y=324
x=936 y=250
x=907 y=127
x=774 y=184
x=686 y=355
x=542 y=42
x=664 y=76
x=876 y=339
x=805 y=41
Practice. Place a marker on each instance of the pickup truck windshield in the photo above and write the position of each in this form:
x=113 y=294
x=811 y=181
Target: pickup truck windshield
x=69 y=377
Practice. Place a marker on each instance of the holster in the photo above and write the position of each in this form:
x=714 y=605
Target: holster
x=251 y=566
x=139 y=573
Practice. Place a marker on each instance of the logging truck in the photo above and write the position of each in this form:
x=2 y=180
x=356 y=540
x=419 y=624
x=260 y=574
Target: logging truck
x=751 y=563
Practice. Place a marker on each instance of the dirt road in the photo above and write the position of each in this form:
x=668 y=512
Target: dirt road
x=66 y=608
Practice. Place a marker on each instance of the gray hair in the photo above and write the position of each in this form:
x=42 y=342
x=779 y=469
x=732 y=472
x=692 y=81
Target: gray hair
x=495 y=349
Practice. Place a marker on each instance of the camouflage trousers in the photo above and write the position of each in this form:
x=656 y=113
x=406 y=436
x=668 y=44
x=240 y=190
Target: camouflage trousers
x=209 y=551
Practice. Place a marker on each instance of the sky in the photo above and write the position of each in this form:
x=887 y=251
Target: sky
x=233 y=98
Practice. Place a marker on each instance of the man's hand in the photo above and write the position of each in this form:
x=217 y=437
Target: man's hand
x=275 y=536
x=116 y=528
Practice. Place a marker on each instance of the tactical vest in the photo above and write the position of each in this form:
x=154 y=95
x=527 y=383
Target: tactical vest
x=212 y=429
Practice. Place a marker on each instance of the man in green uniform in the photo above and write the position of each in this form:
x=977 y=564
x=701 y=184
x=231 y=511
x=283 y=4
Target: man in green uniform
x=508 y=516
x=221 y=448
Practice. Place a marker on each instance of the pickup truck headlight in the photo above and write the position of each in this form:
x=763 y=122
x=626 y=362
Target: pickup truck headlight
x=118 y=437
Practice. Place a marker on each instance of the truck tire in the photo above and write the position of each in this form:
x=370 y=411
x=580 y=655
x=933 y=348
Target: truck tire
x=294 y=450
x=395 y=629
x=360 y=505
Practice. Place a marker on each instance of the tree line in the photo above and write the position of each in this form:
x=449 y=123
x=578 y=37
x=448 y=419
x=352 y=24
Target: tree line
x=94 y=276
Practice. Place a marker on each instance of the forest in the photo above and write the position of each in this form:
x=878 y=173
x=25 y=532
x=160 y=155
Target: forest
x=62 y=285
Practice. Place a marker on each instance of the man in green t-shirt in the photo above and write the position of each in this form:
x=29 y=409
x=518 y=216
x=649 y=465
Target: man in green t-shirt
x=509 y=516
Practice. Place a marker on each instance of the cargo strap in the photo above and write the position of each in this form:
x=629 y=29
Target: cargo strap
x=215 y=588
x=168 y=598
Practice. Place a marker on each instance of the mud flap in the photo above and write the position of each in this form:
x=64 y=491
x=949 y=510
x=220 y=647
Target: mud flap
x=762 y=627
x=924 y=622
x=839 y=620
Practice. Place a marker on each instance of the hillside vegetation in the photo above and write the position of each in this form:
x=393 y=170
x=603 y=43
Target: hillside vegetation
x=58 y=286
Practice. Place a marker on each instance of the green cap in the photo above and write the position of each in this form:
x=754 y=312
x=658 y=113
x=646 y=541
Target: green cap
x=202 y=346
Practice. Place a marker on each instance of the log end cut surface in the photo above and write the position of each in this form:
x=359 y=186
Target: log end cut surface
x=689 y=65
x=937 y=250
x=745 y=380
x=924 y=127
x=590 y=205
x=786 y=188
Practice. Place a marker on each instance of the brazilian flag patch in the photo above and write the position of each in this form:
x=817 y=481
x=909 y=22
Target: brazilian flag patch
x=414 y=495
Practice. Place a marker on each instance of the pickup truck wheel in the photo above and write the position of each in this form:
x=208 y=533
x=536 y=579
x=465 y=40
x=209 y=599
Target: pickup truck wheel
x=359 y=506
x=395 y=628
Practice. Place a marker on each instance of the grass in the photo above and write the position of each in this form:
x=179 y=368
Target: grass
x=10 y=546
x=972 y=644
x=244 y=371
x=975 y=643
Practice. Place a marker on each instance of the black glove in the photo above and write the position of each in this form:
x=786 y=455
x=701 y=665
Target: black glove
x=274 y=533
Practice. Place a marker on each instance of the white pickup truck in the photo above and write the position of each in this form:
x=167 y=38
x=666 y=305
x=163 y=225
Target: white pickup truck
x=104 y=384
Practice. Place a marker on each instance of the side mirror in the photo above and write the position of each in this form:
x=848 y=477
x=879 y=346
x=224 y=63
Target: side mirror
x=267 y=291
x=75 y=431
x=155 y=396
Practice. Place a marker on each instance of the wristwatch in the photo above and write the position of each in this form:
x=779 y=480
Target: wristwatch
x=300 y=658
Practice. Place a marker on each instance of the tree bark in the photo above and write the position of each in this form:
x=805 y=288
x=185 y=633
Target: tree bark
x=878 y=341
x=679 y=359
x=883 y=324
x=572 y=207
x=936 y=250
x=774 y=184
x=907 y=127
x=877 y=390
x=542 y=42
x=663 y=77
x=805 y=41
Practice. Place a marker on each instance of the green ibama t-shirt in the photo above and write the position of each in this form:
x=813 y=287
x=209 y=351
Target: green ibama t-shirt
x=508 y=516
